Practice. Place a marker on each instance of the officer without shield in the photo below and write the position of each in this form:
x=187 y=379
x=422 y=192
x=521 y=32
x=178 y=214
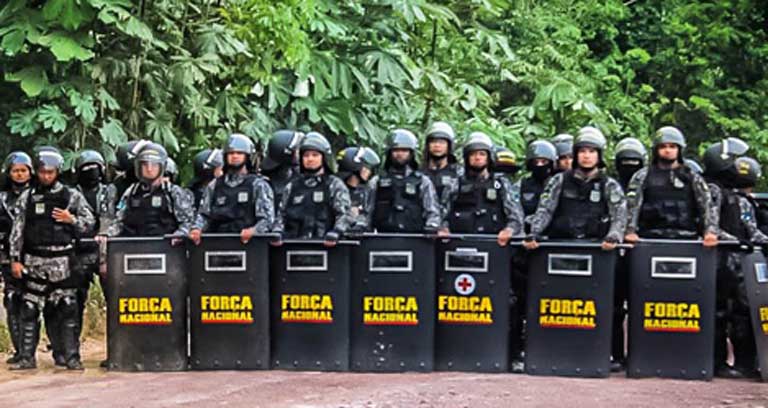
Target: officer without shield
x=207 y=165
x=280 y=163
x=50 y=217
x=18 y=170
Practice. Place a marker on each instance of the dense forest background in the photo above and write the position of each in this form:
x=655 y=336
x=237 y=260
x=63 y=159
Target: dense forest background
x=95 y=73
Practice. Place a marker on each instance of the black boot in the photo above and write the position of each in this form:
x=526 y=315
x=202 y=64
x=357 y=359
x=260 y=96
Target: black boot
x=12 y=308
x=30 y=336
x=70 y=332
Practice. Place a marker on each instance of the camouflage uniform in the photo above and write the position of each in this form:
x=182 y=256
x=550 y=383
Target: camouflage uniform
x=260 y=198
x=703 y=202
x=361 y=210
x=12 y=287
x=512 y=210
x=296 y=215
x=181 y=208
x=430 y=218
x=446 y=183
x=50 y=276
x=550 y=200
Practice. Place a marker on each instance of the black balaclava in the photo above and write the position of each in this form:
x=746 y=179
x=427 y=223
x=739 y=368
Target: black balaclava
x=89 y=176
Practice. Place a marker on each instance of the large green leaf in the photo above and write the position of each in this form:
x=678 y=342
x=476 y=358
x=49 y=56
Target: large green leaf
x=84 y=106
x=65 y=47
x=24 y=123
x=112 y=132
x=33 y=80
x=53 y=118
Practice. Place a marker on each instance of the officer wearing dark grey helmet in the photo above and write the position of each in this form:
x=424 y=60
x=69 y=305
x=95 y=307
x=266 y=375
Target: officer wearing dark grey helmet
x=280 y=163
x=667 y=199
x=207 y=165
x=718 y=162
x=483 y=202
x=90 y=171
x=582 y=203
x=238 y=202
x=50 y=217
x=153 y=206
x=406 y=201
x=357 y=166
x=123 y=164
x=18 y=170
x=540 y=159
x=564 y=145
x=315 y=203
x=439 y=162
x=630 y=156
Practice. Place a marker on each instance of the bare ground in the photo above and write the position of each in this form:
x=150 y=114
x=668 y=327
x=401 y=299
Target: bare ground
x=51 y=387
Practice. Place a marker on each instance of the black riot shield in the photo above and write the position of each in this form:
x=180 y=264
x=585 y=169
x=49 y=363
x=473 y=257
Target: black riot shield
x=229 y=303
x=473 y=283
x=756 y=280
x=147 y=306
x=310 y=305
x=570 y=310
x=671 y=309
x=393 y=303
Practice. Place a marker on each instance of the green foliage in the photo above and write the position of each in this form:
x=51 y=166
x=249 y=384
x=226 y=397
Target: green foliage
x=185 y=73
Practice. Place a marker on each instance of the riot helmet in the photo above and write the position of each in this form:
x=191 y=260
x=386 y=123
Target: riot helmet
x=352 y=159
x=151 y=153
x=478 y=141
x=669 y=135
x=317 y=142
x=589 y=137
x=720 y=156
x=281 y=149
x=441 y=131
x=504 y=160
x=402 y=139
x=89 y=168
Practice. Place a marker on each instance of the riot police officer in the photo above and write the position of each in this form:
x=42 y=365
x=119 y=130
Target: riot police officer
x=564 y=145
x=738 y=219
x=207 y=165
x=440 y=162
x=667 y=199
x=50 y=216
x=153 y=206
x=582 y=203
x=483 y=203
x=630 y=156
x=280 y=162
x=240 y=201
x=720 y=172
x=405 y=199
x=540 y=158
x=90 y=171
x=124 y=157
x=18 y=171
x=315 y=203
x=357 y=165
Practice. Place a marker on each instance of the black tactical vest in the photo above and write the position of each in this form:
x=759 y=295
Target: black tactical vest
x=278 y=181
x=442 y=178
x=479 y=207
x=40 y=229
x=358 y=197
x=197 y=190
x=309 y=213
x=530 y=191
x=582 y=211
x=668 y=201
x=6 y=223
x=149 y=213
x=731 y=220
x=398 y=204
x=232 y=208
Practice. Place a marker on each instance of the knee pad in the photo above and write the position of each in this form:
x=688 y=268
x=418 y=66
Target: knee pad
x=29 y=310
x=68 y=306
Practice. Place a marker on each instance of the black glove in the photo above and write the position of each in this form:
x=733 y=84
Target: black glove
x=746 y=245
x=531 y=238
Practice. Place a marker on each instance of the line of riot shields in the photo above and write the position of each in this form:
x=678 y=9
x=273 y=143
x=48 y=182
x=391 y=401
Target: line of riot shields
x=402 y=302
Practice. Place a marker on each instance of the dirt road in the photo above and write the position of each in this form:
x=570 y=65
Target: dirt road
x=49 y=387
